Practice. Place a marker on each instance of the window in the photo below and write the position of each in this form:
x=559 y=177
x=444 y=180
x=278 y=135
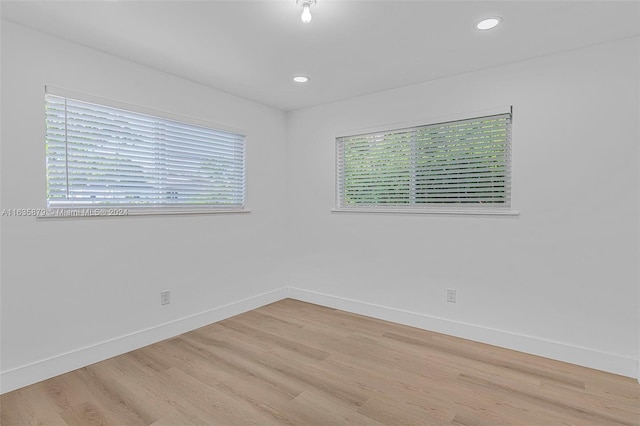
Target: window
x=101 y=157
x=459 y=165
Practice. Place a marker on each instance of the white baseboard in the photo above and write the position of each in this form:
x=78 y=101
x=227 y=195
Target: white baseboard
x=63 y=363
x=586 y=357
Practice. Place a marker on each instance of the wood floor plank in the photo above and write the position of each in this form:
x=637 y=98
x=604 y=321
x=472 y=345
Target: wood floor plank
x=544 y=402
x=318 y=408
x=85 y=414
x=125 y=389
x=213 y=402
x=295 y=363
x=395 y=411
x=270 y=398
x=29 y=406
x=240 y=325
x=251 y=366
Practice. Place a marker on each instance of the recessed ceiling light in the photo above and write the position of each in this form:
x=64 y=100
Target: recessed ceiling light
x=301 y=79
x=488 y=23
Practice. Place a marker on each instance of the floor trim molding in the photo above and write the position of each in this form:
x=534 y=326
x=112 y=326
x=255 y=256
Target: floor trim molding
x=586 y=357
x=41 y=370
x=63 y=363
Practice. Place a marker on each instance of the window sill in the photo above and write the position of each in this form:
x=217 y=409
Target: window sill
x=90 y=213
x=442 y=212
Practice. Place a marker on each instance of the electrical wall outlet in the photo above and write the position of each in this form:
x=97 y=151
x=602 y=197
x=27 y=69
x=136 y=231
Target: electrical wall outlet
x=165 y=297
x=451 y=295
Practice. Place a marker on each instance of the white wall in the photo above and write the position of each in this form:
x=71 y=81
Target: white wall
x=75 y=283
x=560 y=280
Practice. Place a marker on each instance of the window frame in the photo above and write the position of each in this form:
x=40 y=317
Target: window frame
x=445 y=209
x=118 y=210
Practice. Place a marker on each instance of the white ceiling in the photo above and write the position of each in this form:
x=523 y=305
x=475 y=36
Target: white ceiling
x=351 y=48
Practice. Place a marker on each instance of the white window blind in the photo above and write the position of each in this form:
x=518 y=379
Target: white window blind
x=461 y=164
x=100 y=156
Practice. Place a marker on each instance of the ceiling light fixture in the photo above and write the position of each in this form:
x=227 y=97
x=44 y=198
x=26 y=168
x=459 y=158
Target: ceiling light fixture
x=301 y=79
x=487 y=24
x=306 y=9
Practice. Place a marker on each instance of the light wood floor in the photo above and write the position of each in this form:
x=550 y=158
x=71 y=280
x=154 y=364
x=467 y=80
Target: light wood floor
x=293 y=363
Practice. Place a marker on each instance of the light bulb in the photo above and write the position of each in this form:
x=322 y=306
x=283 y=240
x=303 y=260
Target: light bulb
x=306 y=13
